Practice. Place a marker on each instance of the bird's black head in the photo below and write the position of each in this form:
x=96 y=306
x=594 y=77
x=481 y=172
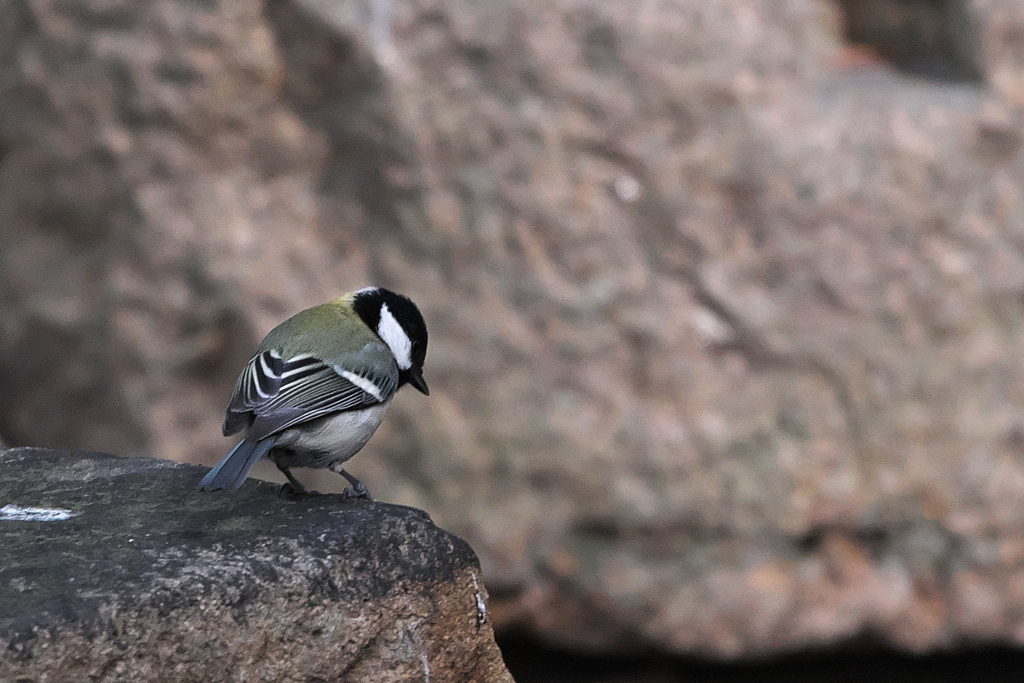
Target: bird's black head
x=398 y=322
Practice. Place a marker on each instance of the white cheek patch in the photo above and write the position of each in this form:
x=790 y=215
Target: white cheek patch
x=396 y=338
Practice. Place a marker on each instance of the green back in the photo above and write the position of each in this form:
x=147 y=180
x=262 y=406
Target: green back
x=335 y=334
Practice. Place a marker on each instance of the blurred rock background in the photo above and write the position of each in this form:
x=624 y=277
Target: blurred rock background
x=726 y=298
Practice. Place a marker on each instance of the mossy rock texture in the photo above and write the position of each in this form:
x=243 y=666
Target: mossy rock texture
x=135 y=575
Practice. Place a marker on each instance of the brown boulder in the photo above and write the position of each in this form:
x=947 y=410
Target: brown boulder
x=725 y=333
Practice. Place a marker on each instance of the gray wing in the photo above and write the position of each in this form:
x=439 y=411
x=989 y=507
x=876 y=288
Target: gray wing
x=274 y=393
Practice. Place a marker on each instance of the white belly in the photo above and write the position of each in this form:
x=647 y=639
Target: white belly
x=331 y=439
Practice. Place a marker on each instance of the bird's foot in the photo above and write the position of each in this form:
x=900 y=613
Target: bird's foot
x=289 y=490
x=293 y=488
x=358 y=489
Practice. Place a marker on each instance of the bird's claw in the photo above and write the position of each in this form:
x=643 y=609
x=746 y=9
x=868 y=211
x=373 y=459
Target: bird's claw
x=358 y=491
x=288 y=490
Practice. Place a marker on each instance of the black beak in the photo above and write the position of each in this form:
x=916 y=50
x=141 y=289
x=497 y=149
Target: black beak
x=416 y=379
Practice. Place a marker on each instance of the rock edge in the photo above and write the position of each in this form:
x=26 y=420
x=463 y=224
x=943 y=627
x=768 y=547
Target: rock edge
x=135 y=575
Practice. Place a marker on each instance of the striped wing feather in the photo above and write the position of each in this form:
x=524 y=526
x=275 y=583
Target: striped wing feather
x=273 y=394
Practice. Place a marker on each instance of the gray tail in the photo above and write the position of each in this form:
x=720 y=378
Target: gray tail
x=234 y=468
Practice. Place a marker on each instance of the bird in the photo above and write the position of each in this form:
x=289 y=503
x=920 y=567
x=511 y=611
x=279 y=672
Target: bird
x=319 y=385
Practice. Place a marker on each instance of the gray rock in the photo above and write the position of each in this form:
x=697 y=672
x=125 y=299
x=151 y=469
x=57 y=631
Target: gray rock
x=118 y=569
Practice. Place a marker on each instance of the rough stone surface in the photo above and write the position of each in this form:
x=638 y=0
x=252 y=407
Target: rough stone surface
x=151 y=580
x=726 y=325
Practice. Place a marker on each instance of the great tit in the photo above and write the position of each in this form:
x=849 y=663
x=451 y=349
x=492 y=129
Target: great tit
x=319 y=386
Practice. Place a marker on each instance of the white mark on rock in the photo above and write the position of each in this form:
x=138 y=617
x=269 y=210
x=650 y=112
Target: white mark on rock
x=627 y=188
x=22 y=585
x=413 y=640
x=426 y=668
x=382 y=12
x=481 y=606
x=16 y=513
x=710 y=328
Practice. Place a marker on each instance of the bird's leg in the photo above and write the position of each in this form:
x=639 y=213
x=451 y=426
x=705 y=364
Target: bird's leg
x=358 y=489
x=294 y=486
